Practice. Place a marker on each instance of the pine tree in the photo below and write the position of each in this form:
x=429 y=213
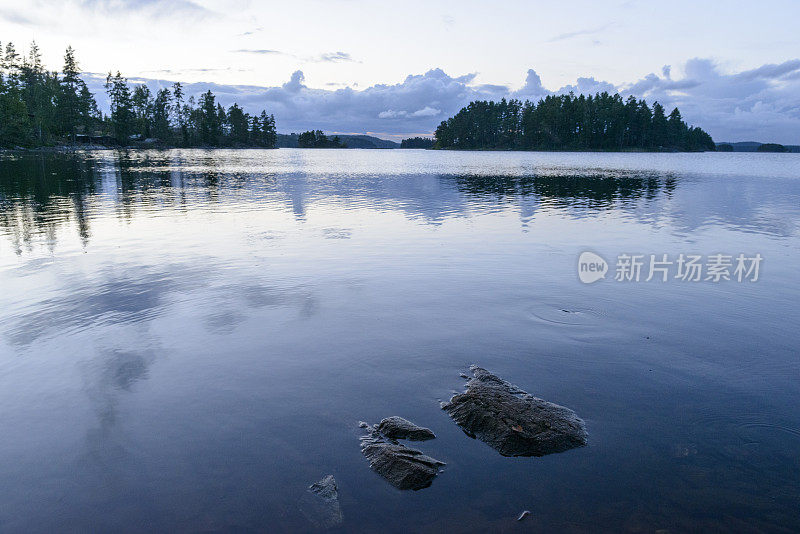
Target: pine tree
x=121 y=103
x=160 y=113
x=142 y=102
x=269 y=136
x=90 y=115
x=68 y=95
x=239 y=125
x=210 y=126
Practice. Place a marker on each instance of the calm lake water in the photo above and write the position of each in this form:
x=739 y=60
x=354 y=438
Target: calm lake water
x=188 y=339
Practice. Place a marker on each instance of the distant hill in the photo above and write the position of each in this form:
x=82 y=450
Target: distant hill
x=352 y=141
x=752 y=146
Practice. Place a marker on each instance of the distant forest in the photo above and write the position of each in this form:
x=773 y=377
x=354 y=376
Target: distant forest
x=42 y=108
x=317 y=139
x=569 y=122
x=416 y=142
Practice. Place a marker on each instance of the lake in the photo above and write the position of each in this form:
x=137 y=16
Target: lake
x=189 y=338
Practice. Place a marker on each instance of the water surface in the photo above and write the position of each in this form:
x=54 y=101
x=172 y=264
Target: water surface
x=188 y=339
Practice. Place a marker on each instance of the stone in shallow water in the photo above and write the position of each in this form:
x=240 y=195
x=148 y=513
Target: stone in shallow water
x=512 y=421
x=320 y=503
x=404 y=467
x=398 y=428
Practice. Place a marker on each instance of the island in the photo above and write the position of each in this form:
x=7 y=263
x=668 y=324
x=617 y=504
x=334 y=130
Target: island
x=569 y=122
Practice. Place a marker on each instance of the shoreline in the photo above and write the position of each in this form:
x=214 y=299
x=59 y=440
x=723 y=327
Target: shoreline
x=64 y=149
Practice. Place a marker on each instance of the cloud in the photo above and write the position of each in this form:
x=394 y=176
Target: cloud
x=589 y=86
x=759 y=104
x=772 y=71
x=533 y=89
x=335 y=57
x=201 y=70
x=327 y=57
x=153 y=8
x=260 y=51
x=427 y=111
x=15 y=17
x=578 y=33
x=251 y=32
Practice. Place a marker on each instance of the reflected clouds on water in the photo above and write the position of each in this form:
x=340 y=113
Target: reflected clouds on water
x=37 y=201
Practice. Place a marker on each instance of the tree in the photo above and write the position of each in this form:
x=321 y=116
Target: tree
x=90 y=116
x=239 y=123
x=38 y=90
x=317 y=139
x=772 y=147
x=659 y=126
x=180 y=113
x=14 y=126
x=69 y=105
x=160 y=113
x=121 y=103
x=269 y=136
x=416 y=142
x=142 y=102
x=676 y=129
x=210 y=125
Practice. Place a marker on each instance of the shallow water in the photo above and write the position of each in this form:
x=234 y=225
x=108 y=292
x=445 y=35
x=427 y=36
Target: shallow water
x=188 y=339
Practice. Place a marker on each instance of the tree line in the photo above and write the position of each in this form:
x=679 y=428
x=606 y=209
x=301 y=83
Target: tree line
x=569 y=122
x=317 y=139
x=41 y=108
x=416 y=142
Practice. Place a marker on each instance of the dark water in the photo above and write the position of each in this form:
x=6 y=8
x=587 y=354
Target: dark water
x=189 y=338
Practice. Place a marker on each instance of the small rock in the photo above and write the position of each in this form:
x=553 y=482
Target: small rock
x=320 y=503
x=398 y=428
x=512 y=421
x=404 y=467
x=523 y=515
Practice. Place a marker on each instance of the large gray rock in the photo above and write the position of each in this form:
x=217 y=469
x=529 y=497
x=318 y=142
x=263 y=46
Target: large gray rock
x=512 y=421
x=404 y=467
x=398 y=428
x=320 y=503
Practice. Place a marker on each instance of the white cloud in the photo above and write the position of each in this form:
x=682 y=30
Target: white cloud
x=391 y=114
x=427 y=111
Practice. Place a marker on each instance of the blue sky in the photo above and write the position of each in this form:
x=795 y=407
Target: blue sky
x=398 y=69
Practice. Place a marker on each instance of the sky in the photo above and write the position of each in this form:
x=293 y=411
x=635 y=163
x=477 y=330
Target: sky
x=397 y=69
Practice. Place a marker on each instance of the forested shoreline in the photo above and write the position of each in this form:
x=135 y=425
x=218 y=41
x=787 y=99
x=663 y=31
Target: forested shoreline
x=569 y=122
x=40 y=108
x=417 y=142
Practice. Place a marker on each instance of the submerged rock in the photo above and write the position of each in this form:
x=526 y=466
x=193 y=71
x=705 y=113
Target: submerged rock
x=398 y=428
x=512 y=421
x=404 y=467
x=320 y=503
